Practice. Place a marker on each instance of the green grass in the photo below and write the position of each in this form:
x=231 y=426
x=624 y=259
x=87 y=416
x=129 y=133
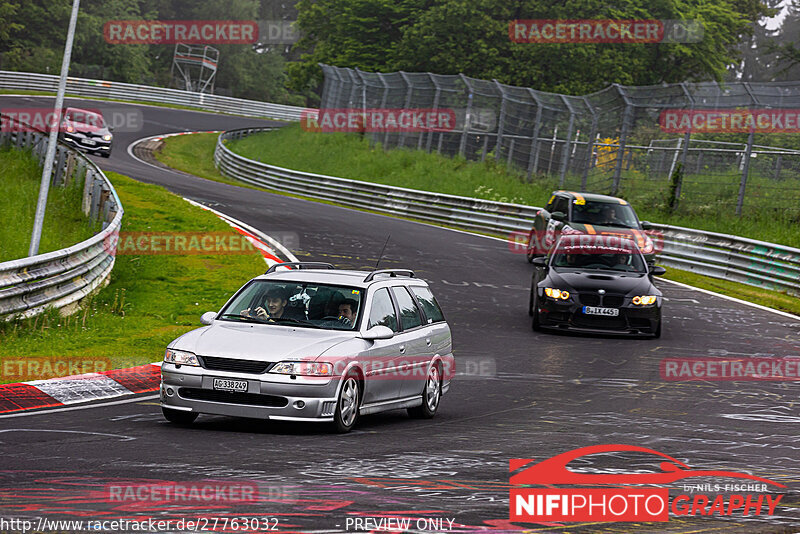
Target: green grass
x=64 y=223
x=756 y=295
x=350 y=156
x=151 y=299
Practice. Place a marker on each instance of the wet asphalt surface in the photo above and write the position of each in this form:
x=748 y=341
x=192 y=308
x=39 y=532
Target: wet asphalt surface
x=520 y=394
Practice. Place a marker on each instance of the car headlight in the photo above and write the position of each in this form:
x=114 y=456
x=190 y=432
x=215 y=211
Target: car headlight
x=70 y=129
x=107 y=137
x=644 y=300
x=303 y=368
x=648 y=246
x=555 y=293
x=181 y=357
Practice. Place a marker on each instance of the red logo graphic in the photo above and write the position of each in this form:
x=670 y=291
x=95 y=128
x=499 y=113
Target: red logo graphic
x=730 y=120
x=181 y=31
x=378 y=120
x=615 y=503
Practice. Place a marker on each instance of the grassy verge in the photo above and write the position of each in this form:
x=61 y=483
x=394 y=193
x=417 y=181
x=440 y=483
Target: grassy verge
x=151 y=298
x=756 y=295
x=350 y=156
x=64 y=223
x=327 y=154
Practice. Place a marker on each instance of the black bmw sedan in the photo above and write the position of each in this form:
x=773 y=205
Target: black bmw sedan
x=596 y=284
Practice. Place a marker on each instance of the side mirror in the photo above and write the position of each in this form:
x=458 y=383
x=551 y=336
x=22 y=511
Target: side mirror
x=558 y=216
x=658 y=271
x=540 y=261
x=647 y=225
x=378 y=332
x=208 y=317
x=110 y=128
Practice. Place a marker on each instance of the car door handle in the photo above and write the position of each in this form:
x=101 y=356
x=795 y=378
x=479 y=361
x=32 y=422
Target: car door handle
x=428 y=342
x=402 y=349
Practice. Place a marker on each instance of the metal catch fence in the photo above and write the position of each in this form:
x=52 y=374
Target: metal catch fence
x=618 y=141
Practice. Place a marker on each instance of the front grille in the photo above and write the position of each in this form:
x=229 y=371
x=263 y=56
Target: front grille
x=237 y=366
x=231 y=397
x=590 y=299
x=607 y=301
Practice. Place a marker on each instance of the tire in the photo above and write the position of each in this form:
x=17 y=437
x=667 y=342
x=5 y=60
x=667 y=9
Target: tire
x=178 y=417
x=530 y=304
x=106 y=154
x=529 y=253
x=657 y=333
x=346 y=415
x=431 y=395
x=535 y=325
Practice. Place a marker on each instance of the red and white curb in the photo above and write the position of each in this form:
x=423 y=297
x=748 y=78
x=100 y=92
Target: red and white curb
x=63 y=391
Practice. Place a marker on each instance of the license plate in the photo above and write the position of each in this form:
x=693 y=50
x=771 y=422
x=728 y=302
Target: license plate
x=609 y=312
x=91 y=142
x=230 y=385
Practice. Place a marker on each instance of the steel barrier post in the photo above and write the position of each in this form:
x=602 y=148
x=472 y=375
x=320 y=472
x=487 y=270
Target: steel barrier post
x=623 y=138
x=567 y=144
x=462 y=147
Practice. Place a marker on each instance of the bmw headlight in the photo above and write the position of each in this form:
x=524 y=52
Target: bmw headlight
x=181 y=357
x=107 y=137
x=644 y=300
x=303 y=368
x=555 y=293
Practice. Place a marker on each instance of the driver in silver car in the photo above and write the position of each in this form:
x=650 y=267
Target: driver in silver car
x=276 y=300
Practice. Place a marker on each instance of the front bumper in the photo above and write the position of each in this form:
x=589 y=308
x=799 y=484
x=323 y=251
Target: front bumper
x=268 y=396
x=79 y=142
x=631 y=321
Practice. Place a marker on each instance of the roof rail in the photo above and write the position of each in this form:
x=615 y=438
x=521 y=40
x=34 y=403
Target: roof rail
x=301 y=265
x=391 y=272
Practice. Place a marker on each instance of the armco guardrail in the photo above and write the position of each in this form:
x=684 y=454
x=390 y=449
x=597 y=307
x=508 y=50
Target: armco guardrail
x=60 y=278
x=28 y=81
x=718 y=255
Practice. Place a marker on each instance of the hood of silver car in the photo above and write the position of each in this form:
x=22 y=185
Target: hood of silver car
x=269 y=343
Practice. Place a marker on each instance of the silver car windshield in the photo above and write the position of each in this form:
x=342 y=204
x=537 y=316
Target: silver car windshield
x=306 y=305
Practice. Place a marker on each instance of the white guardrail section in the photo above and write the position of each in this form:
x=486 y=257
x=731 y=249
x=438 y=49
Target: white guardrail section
x=717 y=255
x=27 y=81
x=57 y=279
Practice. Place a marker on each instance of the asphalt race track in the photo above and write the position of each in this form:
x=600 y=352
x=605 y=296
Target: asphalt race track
x=521 y=395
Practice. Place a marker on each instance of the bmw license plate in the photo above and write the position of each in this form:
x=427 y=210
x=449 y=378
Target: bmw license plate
x=230 y=385
x=608 y=312
x=90 y=142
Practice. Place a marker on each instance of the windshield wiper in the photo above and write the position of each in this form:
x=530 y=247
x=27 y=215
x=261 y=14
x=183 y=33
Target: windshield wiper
x=243 y=318
x=290 y=320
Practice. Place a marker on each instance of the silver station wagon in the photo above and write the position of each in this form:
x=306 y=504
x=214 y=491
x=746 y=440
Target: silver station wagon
x=314 y=343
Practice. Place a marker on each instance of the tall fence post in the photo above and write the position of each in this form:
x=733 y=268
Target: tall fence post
x=589 y=146
x=687 y=139
x=567 y=144
x=501 y=122
x=533 y=156
x=409 y=94
x=623 y=138
x=462 y=147
x=436 y=96
x=747 y=153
